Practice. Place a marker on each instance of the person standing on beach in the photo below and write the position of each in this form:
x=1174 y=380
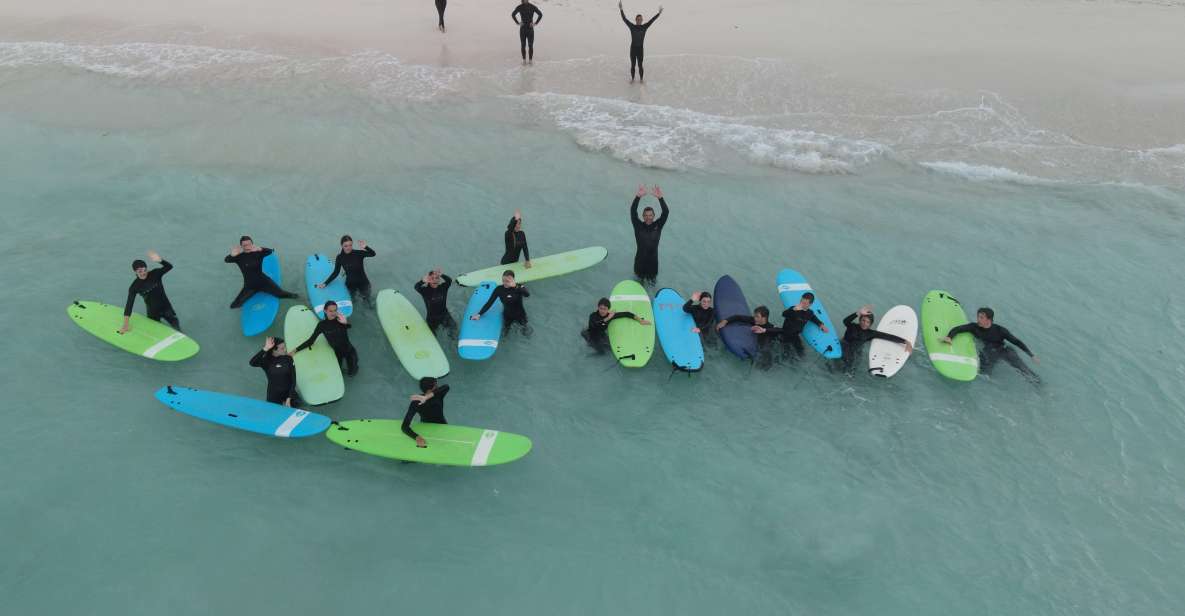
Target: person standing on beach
x=440 y=6
x=647 y=233
x=530 y=17
x=637 y=38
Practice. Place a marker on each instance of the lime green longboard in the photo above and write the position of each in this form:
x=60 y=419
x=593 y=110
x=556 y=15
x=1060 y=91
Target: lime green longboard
x=414 y=344
x=318 y=373
x=543 y=267
x=147 y=338
x=632 y=342
x=957 y=360
x=447 y=444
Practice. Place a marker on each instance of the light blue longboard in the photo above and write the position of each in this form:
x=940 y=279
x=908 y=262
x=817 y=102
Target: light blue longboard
x=682 y=346
x=316 y=269
x=791 y=286
x=243 y=413
x=479 y=339
x=260 y=310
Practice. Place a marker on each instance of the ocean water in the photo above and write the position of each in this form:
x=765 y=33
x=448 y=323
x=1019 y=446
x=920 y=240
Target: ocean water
x=789 y=491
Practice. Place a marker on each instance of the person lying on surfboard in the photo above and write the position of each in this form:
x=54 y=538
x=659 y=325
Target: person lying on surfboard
x=249 y=258
x=856 y=333
x=516 y=242
x=277 y=364
x=993 y=337
x=433 y=287
x=350 y=260
x=151 y=287
x=597 y=333
x=429 y=404
x=760 y=325
x=511 y=295
x=701 y=311
x=796 y=317
x=335 y=327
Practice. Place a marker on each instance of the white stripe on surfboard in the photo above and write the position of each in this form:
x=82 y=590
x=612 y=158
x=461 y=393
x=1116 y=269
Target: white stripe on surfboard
x=476 y=342
x=345 y=303
x=629 y=298
x=286 y=428
x=793 y=286
x=164 y=344
x=954 y=359
x=484 y=446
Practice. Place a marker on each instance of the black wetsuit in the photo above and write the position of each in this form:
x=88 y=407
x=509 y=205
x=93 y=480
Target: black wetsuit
x=440 y=6
x=854 y=337
x=512 y=305
x=597 y=333
x=526 y=27
x=281 y=376
x=764 y=341
x=156 y=303
x=436 y=302
x=254 y=280
x=647 y=236
x=792 y=327
x=516 y=244
x=431 y=411
x=704 y=319
x=637 y=38
x=356 y=280
x=993 y=350
x=339 y=339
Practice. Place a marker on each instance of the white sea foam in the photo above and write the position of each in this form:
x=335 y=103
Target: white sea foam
x=981 y=173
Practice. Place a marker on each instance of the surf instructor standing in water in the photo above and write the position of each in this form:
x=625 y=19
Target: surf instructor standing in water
x=637 y=38
x=647 y=233
x=530 y=17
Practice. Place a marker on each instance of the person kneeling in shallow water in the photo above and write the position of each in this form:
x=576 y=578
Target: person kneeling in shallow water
x=335 y=327
x=429 y=404
x=993 y=337
x=597 y=333
x=701 y=311
x=511 y=295
x=277 y=364
x=766 y=333
x=857 y=333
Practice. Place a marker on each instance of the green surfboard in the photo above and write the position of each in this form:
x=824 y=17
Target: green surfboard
x=632 y=342
x=147 y=338
x=959 y=359
x=318 y=373
x=447 y=444
x=414 y=344
x=543 y=267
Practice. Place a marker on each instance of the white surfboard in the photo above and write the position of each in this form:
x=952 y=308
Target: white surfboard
x=886 y=358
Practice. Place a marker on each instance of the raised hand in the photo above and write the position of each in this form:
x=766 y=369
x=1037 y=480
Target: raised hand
x=236 y=251
x=866 y=309
x=657 y=191
x=152 y=256
x=269 y=344
x=641 y=191
x=362 y=244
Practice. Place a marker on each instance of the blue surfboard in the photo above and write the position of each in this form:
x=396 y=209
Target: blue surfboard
x=729 y=301
x=316 y=269
x=791 y=286
x=479 y=339
x=260 y=310
x=682 y=346
x=243 y=413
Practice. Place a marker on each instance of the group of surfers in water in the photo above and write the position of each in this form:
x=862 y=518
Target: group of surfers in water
x=276 y=360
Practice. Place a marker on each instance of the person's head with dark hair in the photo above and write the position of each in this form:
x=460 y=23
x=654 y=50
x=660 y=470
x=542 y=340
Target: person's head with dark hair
x=648 y=214
x=141 y=268
x=330 y=308
x=805 y=302
x=984 y=317
x=603 y=306
x=508 y=278
x=761 y=315
x=347 y=243
x=866 y=321
x=705 y=300
x=427 y=384
x=280 y=348
x=246 y=243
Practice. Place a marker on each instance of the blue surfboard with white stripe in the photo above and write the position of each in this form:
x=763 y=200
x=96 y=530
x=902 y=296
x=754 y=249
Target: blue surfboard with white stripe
x=682 y=346
x=243 y=413
x=316 y=269
x=791 y=286
x=479 y=339
x=260 y=310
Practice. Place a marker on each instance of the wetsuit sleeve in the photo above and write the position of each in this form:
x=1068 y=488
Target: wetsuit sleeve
x=652 y=19
x=964 y=328
x=164 y=268
x=266 y=251
x=369 y=252
x=770 y=329
x=526 y=248
x=662 y=218
x=489 y=302
x=411 y=412
x=849 y=320
x=308 y=343
x=634 y=213
x=420 y=286
x=258 y=359
x=440 y=392
x=127 y=309
x=687 y=308
x=337 y=268
x=740 y=318
x=593 y=321
x=525 y=291
x=538 y=14
x=886 y=336
x=446 y=281
x=623 y=315
x=815 y=318
x=1016 y=341
x=514 y=14
x=232 y=258
x=624 y=18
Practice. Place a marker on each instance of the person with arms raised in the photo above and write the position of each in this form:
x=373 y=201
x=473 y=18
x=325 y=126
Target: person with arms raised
x=350 y=260
x=515 y=240
x=433 y=287
x=151 y=286
x=647 y=234
x=637 y=39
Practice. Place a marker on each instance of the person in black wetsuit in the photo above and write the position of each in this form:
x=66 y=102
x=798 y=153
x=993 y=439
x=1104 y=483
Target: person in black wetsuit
x=335 y=327
x=249 y=258
x=647 y=233
x=516 y=242
x=440 y=6
x=766 y=333
x=530 y=17
x=350 y=260
x=637 y=38
x=597 y=333
x=511 y=295
x=857 y=332
x=796 y=317
x=433 y=287
x=701 y=311
x=151 y=287
x=429 y=405
x=277 y=364
x=993 y=337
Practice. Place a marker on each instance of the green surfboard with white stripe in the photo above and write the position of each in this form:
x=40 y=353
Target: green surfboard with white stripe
x=318 y=373
x=147 y=338
x=448 y=445
x=959 y=359
x=631 y=341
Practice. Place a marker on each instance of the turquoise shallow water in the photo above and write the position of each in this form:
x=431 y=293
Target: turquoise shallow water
x=793 y=491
